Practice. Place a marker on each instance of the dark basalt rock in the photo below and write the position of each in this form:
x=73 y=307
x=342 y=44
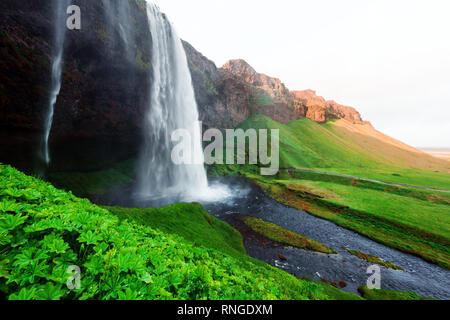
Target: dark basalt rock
x=99 y=113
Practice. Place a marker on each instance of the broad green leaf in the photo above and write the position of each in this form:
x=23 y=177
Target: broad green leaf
x=9 y=222
x=50 y=292
x=24 y=294
x=55 y=244
x=3 y=271
x=128 y=295
x=89 y=238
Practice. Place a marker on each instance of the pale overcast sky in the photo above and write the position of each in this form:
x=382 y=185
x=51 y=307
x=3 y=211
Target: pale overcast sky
x=388 y=59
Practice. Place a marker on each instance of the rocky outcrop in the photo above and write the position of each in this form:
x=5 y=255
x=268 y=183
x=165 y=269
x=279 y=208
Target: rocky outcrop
x=287 y=105
x=269 y=96
x=229 y=95
x=321 y=110
x=226 y=99
x=242 y=70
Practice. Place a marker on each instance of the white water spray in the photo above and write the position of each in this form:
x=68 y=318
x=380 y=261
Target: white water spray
x=59 y=15
x=172 y=107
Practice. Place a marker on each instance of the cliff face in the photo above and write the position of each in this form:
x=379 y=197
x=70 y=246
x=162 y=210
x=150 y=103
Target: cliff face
x=243 y=71
x=269 y=96
x=98 y=113
x=272 y=92
x=229 y=95
x=221 y=103
x=321 y=110
x=105 y=86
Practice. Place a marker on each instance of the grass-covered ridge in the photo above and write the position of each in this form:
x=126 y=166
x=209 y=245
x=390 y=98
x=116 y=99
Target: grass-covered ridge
x=45 y=230
x=373 y=259
x=357 y=150
x=190 y=221
x=282 y=235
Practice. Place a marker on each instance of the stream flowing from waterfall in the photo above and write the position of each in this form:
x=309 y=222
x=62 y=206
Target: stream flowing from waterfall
x=424 y=278
x=172 y=107
x=59 y=36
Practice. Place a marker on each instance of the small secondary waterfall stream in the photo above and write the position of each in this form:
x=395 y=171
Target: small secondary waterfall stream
x=59 y=36
x=119 y=26
x=172 y=107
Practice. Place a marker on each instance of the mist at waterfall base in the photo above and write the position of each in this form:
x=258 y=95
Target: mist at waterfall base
x=172 y=107
x=220 y=193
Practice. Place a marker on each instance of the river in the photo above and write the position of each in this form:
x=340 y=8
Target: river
x=426 y=279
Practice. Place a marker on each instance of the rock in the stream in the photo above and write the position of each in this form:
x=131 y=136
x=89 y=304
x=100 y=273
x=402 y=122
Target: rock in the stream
x=282 y=258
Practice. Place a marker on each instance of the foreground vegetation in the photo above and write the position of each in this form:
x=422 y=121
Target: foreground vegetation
x=45 y=230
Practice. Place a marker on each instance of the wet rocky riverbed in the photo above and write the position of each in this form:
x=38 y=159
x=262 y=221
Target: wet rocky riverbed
x=424 y=278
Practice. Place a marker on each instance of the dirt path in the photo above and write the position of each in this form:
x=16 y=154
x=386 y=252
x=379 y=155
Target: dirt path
x=365 y=179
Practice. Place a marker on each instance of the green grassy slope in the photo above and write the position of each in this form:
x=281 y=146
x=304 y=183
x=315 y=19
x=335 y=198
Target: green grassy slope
x=45 y=230
x=427 y=213
x=190 y=221
x=412 y=220
x=375 y=294
x=333 y=148
x=287 y=237
x=404 y=222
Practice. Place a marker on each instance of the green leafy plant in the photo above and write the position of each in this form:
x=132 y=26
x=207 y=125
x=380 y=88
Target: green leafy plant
x=44 y=231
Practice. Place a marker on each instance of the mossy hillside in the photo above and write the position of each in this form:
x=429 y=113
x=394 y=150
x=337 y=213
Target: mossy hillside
x=408 y=219
x=425 y=195
x=190 y=221
x=307 y=144
x=45 y=230
x=331 y=290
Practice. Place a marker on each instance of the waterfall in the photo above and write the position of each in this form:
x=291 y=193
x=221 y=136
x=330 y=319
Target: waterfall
x=172 y=106
x=59 y=16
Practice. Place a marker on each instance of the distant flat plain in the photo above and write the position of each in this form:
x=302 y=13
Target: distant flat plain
x=438 y=153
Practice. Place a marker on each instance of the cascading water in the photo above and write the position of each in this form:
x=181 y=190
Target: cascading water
x=173 y=106
x=59 y=15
